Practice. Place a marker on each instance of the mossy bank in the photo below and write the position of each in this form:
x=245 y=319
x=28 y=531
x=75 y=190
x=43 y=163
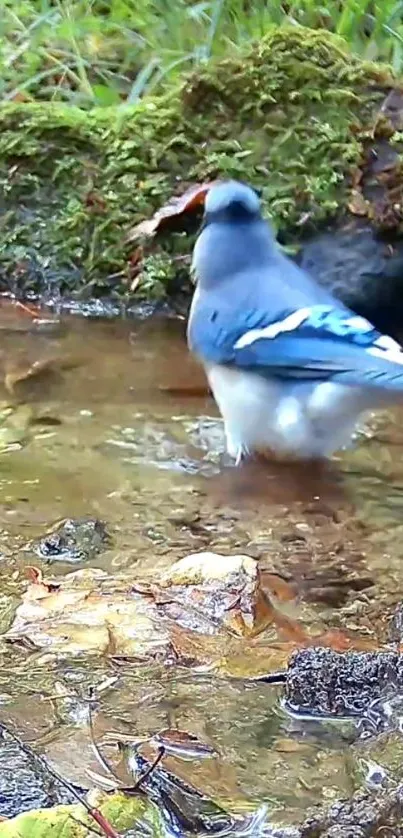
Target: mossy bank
x=294 y=114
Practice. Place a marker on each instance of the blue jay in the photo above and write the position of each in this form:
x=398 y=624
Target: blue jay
x=290 y=367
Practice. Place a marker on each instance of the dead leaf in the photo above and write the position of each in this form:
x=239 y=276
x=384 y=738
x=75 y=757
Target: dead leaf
x=182 y=744
x=193 y=648
x=287 y=628
x=33 y=311
x=34 y=574
x=18 y=97
x=277 y=586
x=85 y=613
x=343 y=641
x=178 y=205
x=252 y=661
x=70 y=752
x=215 y=610
x=95 y=203
x=292 y=746
x=235 y=657
x=17 y=370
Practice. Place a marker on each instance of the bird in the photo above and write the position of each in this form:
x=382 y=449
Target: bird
x=291 y=368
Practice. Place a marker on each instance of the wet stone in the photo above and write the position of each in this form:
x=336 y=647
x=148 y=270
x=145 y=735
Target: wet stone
x=74 y=540
x=327 y=683
x=364 y=816
x=362 y=270
x=396 y=625
x=347 y=832
x=22 y=786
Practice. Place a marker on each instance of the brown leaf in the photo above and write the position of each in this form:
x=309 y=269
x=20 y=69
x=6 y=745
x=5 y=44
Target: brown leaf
x=253 y=661
x=95 y=203
x=21 y=96
x=267 y=615
x=19 y=317
x=83 y=613
x=342 y=641
x=193 y=648
x=18 y=369
x=34 y=574
x=292 y=746
x=277 y=586
x=178 y=205
x=236 y=657
x=183 y=744
x=70 y=752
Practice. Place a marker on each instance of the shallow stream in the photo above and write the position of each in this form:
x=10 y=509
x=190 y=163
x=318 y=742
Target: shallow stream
x=114 y=423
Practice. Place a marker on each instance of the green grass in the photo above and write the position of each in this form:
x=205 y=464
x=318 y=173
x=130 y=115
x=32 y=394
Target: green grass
x=103 y=52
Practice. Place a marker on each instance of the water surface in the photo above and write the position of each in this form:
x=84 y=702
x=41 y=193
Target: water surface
x=121 y=427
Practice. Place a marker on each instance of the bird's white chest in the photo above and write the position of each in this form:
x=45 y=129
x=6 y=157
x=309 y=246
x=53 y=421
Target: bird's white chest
x=303 y=420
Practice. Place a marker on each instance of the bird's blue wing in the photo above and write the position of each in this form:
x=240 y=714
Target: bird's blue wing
x=312 y=342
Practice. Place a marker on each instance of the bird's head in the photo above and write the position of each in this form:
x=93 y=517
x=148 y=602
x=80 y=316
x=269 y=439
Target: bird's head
x=231 y=201
x=234 y=239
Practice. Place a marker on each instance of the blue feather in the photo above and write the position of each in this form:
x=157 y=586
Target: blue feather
x=289 y=365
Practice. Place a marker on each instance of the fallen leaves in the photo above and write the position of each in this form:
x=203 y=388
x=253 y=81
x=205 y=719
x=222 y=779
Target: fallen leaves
x=18 y=369
x=81 y=615
x=177 y=206
x=207 y=610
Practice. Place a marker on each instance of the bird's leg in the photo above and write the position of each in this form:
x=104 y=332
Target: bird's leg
x=239 y=457
x=235 y=449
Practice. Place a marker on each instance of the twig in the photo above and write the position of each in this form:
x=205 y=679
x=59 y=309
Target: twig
x=33 y=312
x=149 y=770
x=95 y=814
x=98 y=753
x=105 y=763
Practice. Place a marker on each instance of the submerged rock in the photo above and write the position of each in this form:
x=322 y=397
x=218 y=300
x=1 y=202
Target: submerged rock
x=363 y=271
x=364 y=816
x=327 y=683
x=215 y=590
x=74 y=540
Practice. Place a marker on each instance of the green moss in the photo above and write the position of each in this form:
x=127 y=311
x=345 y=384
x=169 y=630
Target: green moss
x=289 y=114
x=73 y=821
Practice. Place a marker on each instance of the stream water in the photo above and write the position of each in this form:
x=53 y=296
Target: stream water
x=119 y=427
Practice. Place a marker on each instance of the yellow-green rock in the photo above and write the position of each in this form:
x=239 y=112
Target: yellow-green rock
x=121 y=811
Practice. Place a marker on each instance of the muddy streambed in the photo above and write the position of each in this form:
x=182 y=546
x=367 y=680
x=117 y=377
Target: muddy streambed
x=110 y=420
